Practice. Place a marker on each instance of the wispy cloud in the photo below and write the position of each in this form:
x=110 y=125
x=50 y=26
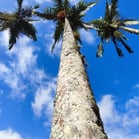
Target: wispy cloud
x=21 y=61
x=87 y=36
x=4 y=37
x=136 y=86
x=73 y=2
x=107 y=109
x=9 y=134
x=120 y=124
x=43 y=101
x=21 y=70
x=42 y=1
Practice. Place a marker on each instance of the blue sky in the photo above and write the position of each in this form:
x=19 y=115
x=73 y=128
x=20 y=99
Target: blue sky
x=28 y=75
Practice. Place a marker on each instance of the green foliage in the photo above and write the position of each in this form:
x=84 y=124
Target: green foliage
x=18 y=22
x=110 y=28
x=100 y=50
x=72 y=12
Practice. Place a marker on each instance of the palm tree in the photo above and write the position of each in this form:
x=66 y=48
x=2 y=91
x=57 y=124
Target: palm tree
x=111 y=27
x=76 y=114
x=18 y=22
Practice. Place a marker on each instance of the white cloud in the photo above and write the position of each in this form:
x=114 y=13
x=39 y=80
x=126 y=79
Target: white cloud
x=109 y=111
x=73 y=2
x=136 y=86
x=3 y=68
x=24 y=54
x=56 y=50
x=12 y=80
x=22 y=75
x=20 y=64
x=9 y=134
x=21 y=70
x=43 y=102
x=120 y=124
x=44 y=98
x=87 y=36
x=4 y=39
x=42 y=1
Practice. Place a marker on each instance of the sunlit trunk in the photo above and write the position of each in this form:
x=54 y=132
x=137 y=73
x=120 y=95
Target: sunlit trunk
x=76 y=115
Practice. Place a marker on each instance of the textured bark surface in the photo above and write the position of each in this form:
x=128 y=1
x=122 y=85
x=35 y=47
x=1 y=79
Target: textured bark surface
x=76 y=115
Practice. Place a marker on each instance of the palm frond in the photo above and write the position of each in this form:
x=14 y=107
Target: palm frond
x=48 y=14
x=63 y=9
x=59 y=5
x=7 y=16
x=81 y=7
x=131 y=22
x=90 y=5
x=100 y=50
x=130 y=30
x=77 y=36
x=28 y=29
x=4 y=25
x=66 y=5
x=18 y=22
x=107 y=12
x=14 y=32
x=118 y=50
x=36 y=6
x=19 y=2
x=58 y=33
x=126 y=46
x=89 y=26
x=114 y=5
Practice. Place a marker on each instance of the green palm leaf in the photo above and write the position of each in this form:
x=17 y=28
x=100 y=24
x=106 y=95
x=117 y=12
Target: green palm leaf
x=28 y=29
x=100 y=50
x=18 y=22
x=110 y=27
x=118 y=50
x=114 y=5
x=19 y=2
x=14 y=33
x=48 y=14
x=58 y=33
x=7 y=16
x=63 y=9
x=126 y=46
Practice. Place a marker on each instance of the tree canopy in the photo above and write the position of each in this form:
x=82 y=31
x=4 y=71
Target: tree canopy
x=18 y=22
x=111 y=27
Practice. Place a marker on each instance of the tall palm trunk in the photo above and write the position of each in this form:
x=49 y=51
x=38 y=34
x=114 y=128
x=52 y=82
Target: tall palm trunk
x=76 y=115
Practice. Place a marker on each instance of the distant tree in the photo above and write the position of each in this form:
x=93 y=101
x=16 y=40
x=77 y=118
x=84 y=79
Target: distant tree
x=76 y=114
x=111 y=27
x=18 y=22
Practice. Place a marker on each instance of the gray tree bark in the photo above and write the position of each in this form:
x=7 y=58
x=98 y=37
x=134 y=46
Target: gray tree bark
x=76 y=115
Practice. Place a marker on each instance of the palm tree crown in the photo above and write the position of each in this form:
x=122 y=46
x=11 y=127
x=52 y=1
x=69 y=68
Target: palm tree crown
x=18 y=22
x=63 y=9
x=110 y=28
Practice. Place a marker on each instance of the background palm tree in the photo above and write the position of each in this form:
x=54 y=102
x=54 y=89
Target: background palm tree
x=18 y=22
x=111 y=27
x=76 y=114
